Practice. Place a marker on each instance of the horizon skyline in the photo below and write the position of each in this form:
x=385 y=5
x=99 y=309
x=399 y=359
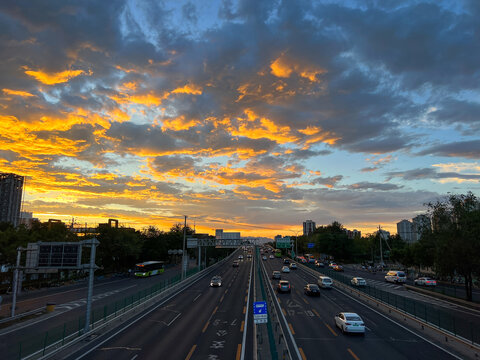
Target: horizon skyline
x=259 y=114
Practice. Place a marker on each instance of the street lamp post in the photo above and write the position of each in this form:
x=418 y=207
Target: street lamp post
x=183 y=254
x=296 y=241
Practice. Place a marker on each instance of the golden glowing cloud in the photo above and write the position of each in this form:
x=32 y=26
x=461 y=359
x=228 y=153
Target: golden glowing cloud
x=17 y=93
x=179 y=123
x=189 y=89
x=55 y=78
x=284 y=66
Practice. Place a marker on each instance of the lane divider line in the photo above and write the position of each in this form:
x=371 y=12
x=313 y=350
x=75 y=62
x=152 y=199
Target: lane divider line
x=302 y=353
x=244 y=309
x=330 y=328
x=353 y=354
x=244 y=338
x=284 y=312
x=291 y=328
x=205 y=327
x=316 y=313
x=239 y=352
x=242 y=326
x=190 y=353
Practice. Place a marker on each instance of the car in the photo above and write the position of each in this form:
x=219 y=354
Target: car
x=235 y=263
x=216 y=281
x=395 y=277
x=286 y=261
x=272 y=257
x=338 y=268
x=312 y=290
x=319 y=263
x=311 y=261
x=285 y=269
x=324 y=282
x=283 y=286
x=264 y=257
x=358 y=281
x=425 y=281
x=249 y=256
x=293 y=266
x=276 y=275
x=240 y=257
x=350 y=323
x=332 y=265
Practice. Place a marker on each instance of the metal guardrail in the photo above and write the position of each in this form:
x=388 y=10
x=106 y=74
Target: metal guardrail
x=45 y=343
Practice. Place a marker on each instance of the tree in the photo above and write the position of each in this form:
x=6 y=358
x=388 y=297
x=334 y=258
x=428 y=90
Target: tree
x=455 y=237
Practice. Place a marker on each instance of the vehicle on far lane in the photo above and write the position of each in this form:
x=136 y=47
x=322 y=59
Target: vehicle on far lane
x=286 y=261
x=358 y=281
x=312 y=290
x=319 y=263
x=235 y=263
x=264 y=257
x=240 y=257
x=283 y=286
x=285 y=269
x=276 y=274
x=425 y=281
x=293 y=266
x=272 y=257
x=324 y=282
x=216 y=281
x=395 y=276
x=349 y=323
x=338 y=268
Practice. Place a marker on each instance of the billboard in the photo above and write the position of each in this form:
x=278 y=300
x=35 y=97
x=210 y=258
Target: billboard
x=58 y=255
x=283 y=243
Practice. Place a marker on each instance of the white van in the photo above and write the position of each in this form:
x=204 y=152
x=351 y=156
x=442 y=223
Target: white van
x=396 y=277
x=324 y=282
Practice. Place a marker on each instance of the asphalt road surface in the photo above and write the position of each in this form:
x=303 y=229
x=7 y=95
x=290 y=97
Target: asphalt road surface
x=201 y=322
x=311 y=320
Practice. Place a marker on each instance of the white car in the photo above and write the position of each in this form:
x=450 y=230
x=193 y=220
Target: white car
x=285 y=269
x=240 y=257
x=358 y=281
x=425 y=281
x=272 y=257
x=264 y=257
x=396 y=277
x=349 y=323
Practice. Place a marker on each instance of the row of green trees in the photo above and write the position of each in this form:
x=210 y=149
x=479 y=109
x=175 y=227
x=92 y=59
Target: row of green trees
x=450 y=246
x=119 y=249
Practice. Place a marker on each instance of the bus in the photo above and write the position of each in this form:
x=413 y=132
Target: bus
x=278 y=253
x=149 y=268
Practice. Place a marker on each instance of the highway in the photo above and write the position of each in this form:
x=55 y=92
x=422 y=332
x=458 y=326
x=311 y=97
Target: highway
x=70 y=306
x=311 y=321
x=201 y=322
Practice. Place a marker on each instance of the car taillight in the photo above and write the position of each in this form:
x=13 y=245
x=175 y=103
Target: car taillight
x=289 y=286
x=348 y=324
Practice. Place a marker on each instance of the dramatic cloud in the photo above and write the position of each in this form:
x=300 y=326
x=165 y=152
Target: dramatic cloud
x=243 y=114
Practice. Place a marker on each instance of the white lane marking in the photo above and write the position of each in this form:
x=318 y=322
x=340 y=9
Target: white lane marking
x=196 y=297
x=175 y=318
x=396 y=323
x=133 y=358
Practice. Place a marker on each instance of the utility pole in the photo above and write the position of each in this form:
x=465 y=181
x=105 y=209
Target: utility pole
x=381 y=251
x=183 y=253
x=15 y=281
x=93 y=246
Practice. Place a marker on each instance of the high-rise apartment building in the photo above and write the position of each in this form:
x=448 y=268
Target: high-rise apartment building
x=308 y=227
x=404 y=230
x=11 y=190
x=419 y=223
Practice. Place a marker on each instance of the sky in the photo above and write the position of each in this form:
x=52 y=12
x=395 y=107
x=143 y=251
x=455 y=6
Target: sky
x=247 y=115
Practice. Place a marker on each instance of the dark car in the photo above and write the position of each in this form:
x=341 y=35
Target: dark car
x=276 y=275
x=286 y=261
x=283 y=286
x=235 y=263
x=216 y=281
x=312 y=290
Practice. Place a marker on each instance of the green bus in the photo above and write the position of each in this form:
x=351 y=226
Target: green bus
x=149 y=268
x=278 y=253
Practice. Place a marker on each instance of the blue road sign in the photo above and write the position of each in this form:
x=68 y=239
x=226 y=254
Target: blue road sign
x=259 y=307
x=310 y=245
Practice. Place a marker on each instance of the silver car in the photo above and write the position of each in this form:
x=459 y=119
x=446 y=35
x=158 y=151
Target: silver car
x=358 y=281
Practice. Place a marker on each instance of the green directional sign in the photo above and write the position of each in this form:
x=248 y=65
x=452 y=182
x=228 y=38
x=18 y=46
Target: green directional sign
x=284 y=243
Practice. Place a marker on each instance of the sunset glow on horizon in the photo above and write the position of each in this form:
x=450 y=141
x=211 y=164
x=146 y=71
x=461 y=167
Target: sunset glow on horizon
x=250 y=116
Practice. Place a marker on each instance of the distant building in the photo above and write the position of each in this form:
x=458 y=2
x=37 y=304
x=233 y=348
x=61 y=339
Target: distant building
x=11 y=191
x=404 y=230
x=308 y=227
x=383 y=233
x=419 y=224
x=220 y=235
x=27 y=219
x=351 y=234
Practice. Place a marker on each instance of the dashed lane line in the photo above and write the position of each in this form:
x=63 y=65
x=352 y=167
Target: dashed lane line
x=302 y=354
x=291 y=328
x=239 y=352
x=353 y=354
x=190 y=353
x=330 y=328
